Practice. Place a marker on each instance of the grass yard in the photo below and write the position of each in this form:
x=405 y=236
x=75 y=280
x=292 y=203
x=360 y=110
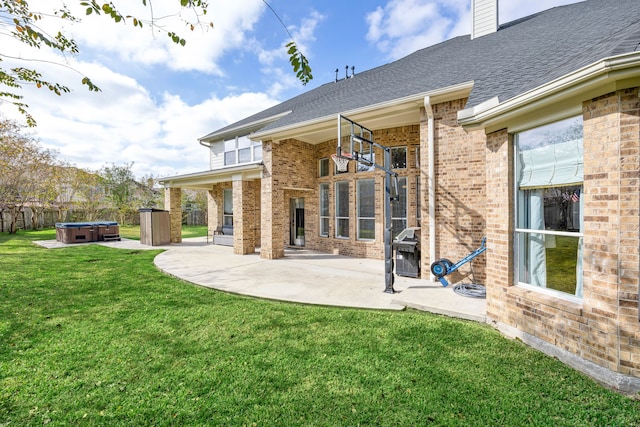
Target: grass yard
x=133 y=231
x=91 y=335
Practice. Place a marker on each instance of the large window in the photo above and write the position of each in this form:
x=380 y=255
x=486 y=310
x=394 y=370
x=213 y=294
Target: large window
x=242 y=150
x=342 y=209
x=324 y=210
x=366 y=204
x=549 y=214
x=227 y=212
x=399 y=208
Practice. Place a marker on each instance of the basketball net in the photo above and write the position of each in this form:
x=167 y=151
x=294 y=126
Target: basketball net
x=342 y=161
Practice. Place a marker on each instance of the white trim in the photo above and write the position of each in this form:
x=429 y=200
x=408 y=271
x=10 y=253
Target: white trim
x=550 y=232
x=551 y=292
x=431 y=180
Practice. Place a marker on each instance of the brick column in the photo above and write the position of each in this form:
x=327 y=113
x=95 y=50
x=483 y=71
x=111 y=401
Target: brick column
x=499 y=223
x=273 y=209
x=244 y=221
x=173 y=202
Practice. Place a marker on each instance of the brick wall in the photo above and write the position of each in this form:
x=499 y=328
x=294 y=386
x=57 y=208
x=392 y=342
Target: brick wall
x=500 y=220
x=173 y=202
x=604 y=328
x=245 y=237
x=289 y=171
x=461 y=191
x=406 y=136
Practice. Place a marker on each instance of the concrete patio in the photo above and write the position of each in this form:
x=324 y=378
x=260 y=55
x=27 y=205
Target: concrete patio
x=302 y=276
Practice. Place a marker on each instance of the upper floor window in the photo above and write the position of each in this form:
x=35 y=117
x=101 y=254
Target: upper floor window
x=398 y=157
x=323 y=167
x=242 y=150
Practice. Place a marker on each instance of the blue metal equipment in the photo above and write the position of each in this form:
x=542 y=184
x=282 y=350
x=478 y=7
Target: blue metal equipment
x=442 y=267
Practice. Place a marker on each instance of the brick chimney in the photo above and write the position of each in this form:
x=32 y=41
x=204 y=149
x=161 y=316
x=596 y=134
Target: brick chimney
x=484 y=15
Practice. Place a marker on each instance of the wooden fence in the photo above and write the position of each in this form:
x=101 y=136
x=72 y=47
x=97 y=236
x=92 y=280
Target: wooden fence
x=48 y=218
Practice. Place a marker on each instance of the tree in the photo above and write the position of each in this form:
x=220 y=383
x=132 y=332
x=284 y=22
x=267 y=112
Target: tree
x=89 y=193
x=120 y=186
x=147 y=194
x=18 y=20
x=25 y=171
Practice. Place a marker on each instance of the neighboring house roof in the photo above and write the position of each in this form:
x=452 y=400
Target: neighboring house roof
x=520 y=56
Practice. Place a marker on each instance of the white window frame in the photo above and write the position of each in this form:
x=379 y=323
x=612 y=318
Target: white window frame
x=544 y=234
x=236 y=147
x=402 y=195
x=339 y=219
x=324 y=219
x=323 y=166
x=227 y=201
x=394 y=166
x=360 y=218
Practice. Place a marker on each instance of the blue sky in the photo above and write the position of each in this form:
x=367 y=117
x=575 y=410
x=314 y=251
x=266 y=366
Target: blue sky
x=157 y=99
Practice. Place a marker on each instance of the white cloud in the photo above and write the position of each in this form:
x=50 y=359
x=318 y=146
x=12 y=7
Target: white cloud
x=125 y=122
x=202 y=52
x=403 y=26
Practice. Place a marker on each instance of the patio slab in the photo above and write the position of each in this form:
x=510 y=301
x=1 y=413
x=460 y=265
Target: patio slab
x=302 y=276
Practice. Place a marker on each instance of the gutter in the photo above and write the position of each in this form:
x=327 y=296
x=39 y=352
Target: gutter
x=431 y=178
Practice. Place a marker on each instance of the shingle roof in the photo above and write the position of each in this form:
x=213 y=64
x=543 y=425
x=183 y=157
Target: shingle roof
x=520 y=56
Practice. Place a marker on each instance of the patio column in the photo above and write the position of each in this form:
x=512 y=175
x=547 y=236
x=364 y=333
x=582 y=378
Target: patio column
x=214 y=207
x=273 y=209
x=173 y=202
x=244 y=219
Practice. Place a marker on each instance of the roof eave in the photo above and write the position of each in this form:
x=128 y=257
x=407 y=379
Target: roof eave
x=205 y=179
x=555 y=97
x=242 y=129
x=367 y=114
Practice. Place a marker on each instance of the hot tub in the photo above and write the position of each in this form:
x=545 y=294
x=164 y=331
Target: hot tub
x=79 y=232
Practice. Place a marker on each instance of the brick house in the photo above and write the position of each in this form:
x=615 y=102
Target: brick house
x=527 y=133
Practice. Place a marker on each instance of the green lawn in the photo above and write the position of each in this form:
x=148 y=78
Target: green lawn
x=133 y=231
x=91 y=335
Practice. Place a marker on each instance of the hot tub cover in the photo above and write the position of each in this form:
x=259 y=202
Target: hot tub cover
x=85 y=224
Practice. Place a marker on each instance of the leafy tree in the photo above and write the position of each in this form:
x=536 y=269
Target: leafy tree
x=26 y=172
x=148 y=195
x=120 y=186
x=47 y=186
x=20 y=21
x=88 y=194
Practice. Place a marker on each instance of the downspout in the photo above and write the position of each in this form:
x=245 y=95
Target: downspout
x=431 y=181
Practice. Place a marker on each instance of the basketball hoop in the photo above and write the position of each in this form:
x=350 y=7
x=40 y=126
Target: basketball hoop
x=341 y=161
